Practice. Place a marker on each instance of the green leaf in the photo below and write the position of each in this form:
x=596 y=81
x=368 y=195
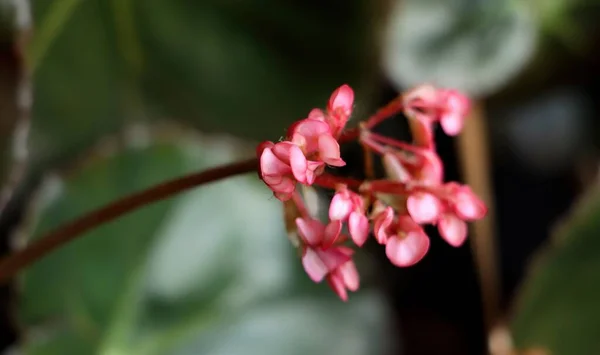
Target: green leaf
x=474 y=46
x=211 y=269
x=77 y=84
x=245 y=67
x=558 y=307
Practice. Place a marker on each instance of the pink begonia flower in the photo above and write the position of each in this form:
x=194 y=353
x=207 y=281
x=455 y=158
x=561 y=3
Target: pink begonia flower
x=422 y=166
x=316 y=142
x=405 y=241
x=339 y=109
x=414 y=190
x=348 y=206
x=334 y=264
x=462 y=206
x=314 y=233
x=426 y=105
x=281 y=166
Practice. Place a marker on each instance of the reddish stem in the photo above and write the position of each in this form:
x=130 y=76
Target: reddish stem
x=394 y=143
x=331 y=182
x=389 y=110
x=12 y=264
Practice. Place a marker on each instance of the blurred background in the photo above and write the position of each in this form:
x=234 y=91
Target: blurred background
x=101 y=98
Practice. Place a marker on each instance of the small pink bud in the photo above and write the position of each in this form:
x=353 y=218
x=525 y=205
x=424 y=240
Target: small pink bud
x=456 y=107
x=342 y=100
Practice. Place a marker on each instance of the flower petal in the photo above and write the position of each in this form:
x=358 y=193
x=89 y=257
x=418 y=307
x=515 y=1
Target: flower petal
x=314 y=266
x=329 y=151
x=452 y=229
x=358 y=226
x=298 y=164
x=311 y=230
x=423 y=207
x=408 y=250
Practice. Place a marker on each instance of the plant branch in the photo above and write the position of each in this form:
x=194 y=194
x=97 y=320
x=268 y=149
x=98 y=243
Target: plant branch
x=14 y=263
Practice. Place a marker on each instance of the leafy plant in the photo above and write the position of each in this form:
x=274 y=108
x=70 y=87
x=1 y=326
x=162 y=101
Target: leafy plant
x=557 y=307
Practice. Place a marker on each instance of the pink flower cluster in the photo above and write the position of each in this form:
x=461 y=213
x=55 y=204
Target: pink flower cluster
x=310 y=144
x=393 y=209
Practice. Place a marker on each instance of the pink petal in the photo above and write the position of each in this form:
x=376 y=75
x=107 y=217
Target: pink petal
x=453 y=230
x=271 y=165
x=329 y=151
x=346 y=251
x=342 y=99
x=312 y=170
x=333 y=257
x=408 y=250
x=423 y=207
x=331 y=233
x=314 y=266
x=309 y=127
x=383 y=220
x=336 y=282
x=358 y=226
x=340 y=207
x=468 y=206
x=316 y=114
x=282 y=151
x=350 y=275
x=284 y=189
x=452 y=124
x=298 y=164
x=457 y=107
x=312 y=231
x=262 y=146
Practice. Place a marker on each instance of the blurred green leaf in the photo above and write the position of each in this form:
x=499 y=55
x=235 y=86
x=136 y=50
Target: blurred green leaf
x=472 y=45
x=210 y=271
x=245 y=67
x=558 y=306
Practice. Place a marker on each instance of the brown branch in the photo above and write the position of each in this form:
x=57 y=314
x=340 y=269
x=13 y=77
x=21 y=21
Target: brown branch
x=473 y=146
x=14 y=263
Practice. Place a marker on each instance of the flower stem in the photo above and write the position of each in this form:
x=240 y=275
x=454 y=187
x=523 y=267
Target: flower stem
x=387 y=111
x=14 y=263
x=331 y=182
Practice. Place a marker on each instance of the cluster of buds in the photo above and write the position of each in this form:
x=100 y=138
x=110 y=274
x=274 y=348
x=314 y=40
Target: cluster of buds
x=393 y=210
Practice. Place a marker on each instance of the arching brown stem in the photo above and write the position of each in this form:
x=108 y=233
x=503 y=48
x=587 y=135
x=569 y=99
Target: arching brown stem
x=14 y=263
